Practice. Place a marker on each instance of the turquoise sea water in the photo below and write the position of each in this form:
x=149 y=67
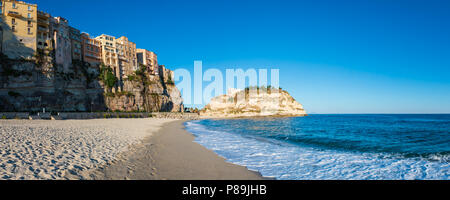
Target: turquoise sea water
x=333 y=146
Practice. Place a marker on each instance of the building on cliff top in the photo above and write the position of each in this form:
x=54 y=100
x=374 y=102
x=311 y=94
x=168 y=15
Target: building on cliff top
x=110 y=56
x=25 y=32
x=120 y=55
x=149 y=59
x=18 y=25
x=75 y=42
x=63 y=46
x=165 y=74
x=44 y=37
x=91 y=50
x=127 y=55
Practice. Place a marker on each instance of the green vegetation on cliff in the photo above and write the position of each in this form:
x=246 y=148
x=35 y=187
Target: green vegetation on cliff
x=170 y=81
x=107 y=77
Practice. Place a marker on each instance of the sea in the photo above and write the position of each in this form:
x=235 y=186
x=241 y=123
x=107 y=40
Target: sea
x=333 y=147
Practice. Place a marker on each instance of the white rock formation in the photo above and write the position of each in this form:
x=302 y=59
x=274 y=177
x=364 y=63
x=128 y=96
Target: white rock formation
x=253 y=103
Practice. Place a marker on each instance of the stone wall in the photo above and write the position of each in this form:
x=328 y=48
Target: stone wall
x=13 y=115
x=100 y=115
x=171 y=115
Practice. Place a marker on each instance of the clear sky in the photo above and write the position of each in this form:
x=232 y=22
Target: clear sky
x=361 y=56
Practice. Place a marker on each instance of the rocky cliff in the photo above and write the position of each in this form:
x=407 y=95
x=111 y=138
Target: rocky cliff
x=152 y=94
x=253 y=102
x=30 y=85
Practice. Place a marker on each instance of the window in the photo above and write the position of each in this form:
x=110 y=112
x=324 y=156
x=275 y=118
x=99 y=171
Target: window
x=29 y=30
x=29 y=15
x=13 y=21
x=29 y=8
x=29 y=23
x=13 y=28
x=14 y=5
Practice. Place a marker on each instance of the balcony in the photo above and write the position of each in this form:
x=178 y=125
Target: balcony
x=42 y=29
x=43 y=15
x=43 y=22
x=94 y=57
x=14 y=14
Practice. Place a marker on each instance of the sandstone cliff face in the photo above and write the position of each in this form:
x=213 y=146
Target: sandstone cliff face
x=253 y=103
x=26 y=86
x=29 y=86
x=155 y=96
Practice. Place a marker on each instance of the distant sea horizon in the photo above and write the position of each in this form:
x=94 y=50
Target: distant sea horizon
x=334 y=146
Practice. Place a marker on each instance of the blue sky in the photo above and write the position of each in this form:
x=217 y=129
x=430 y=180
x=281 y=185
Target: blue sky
x=379 y=56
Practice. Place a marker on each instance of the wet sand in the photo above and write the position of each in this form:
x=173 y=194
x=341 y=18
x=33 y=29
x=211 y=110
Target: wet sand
x=172 y=154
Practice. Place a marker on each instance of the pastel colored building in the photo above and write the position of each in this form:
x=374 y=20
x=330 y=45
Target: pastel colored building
x=120 y=55
x=62 y=42
x=25 y=32
x=91 y=50
x=165 y=74
x=126 y=51
x=149 y=59
x=75 y=41
x=44 y=37
x=18 y=26
x=109 y=53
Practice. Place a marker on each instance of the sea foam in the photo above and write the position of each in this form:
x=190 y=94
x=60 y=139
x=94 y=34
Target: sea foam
x=287 y=161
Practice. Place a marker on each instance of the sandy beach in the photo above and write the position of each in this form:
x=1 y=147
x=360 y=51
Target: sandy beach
x=108 y=149
x=171 y=154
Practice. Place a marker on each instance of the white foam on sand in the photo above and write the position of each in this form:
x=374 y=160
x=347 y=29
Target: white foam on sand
x=285 y=161
x=66 y=149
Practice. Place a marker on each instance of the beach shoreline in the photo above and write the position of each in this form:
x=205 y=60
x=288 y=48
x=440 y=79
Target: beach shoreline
x=109 y=149
x=172 y=154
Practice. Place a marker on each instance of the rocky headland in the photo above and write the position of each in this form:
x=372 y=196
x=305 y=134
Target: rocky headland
x=253 y=102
